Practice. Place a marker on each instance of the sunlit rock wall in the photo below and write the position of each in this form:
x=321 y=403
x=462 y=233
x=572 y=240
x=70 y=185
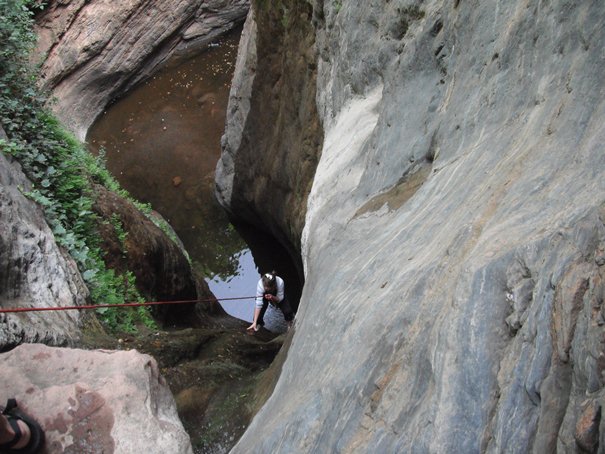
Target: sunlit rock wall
x=95 y=51
x=454 y=240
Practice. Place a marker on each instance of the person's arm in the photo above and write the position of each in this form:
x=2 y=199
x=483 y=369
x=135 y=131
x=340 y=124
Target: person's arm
x=280 y=289
x=255 y=319
x=260 y=292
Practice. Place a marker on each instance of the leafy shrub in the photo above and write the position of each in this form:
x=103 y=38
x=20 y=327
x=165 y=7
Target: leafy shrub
x=60 y=168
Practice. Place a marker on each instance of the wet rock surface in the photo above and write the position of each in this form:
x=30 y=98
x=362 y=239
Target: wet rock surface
x=220 y=375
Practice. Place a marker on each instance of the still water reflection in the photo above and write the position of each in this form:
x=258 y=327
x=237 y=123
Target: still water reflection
x=162 y=143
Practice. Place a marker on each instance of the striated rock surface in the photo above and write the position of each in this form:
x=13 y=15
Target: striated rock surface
x=454 y=242
x=34 y=270
x=94 y=51
x=95 y=401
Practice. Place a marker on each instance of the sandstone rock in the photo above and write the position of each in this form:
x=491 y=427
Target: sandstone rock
x=238 y=112
x=35 y=272
x=95 y=401
x=92 y=52
x=467 y=315
x=273 y=135
x=587 y=428
x=159 y=264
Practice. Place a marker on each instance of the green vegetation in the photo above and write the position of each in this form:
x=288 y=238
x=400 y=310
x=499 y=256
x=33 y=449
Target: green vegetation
x=337 y=5
x=285 y=16
x=61 y=169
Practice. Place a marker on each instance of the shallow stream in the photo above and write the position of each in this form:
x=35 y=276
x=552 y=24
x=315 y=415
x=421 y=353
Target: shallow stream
x=162 y=143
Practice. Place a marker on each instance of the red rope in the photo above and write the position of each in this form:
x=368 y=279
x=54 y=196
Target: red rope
x=97 y=306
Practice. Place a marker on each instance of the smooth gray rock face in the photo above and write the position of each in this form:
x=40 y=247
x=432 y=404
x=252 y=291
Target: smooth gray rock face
x=92 y=52
x=34 y=271
x=95 y=401
x=454 y=243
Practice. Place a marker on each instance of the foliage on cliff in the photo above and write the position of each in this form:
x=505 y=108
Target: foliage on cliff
x=61 y=169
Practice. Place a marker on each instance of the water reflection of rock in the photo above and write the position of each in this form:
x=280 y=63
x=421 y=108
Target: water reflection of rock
x=209 y=102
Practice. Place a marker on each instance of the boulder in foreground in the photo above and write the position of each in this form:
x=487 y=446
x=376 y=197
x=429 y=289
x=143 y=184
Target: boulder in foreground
x=95 y=401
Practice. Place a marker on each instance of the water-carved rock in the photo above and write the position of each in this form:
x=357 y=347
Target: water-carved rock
x=467 y=318
x=92 y=52
x=133 y=242
x=36 y=272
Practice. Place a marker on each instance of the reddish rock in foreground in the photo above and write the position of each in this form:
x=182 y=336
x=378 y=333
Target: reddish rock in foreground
x=95 y=401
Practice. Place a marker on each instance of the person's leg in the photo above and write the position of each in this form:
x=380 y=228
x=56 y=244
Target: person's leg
x=286 y=309
x=8 y=433
x=19 y=432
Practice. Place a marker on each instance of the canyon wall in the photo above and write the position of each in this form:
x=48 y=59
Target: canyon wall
x=273 y=132
x=93 y=52
x=36 y=272
x=454 y=242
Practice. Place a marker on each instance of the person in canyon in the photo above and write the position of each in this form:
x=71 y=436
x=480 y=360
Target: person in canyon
x=19 y=433
x=270 y=290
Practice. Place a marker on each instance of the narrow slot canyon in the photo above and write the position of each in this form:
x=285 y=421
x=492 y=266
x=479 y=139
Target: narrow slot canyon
x=432 y=173
x=161 y=141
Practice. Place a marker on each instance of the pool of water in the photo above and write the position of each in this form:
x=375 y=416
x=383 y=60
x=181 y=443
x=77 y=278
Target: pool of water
x=162 y=143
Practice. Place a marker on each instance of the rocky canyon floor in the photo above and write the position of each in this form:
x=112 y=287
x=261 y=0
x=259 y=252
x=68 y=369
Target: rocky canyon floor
x=219 y=376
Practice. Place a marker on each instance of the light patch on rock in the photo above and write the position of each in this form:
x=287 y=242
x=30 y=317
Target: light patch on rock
x=336 y=173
